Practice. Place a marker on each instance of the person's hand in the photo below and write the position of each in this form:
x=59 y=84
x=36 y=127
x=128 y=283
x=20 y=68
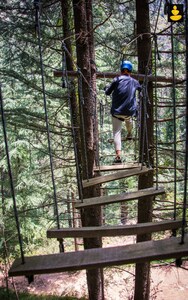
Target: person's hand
x=106 y=87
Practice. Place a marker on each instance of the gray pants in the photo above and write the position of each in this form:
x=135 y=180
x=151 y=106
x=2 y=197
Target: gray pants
x=117 y=127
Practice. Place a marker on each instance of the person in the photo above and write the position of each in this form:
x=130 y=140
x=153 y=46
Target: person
x=124 y=106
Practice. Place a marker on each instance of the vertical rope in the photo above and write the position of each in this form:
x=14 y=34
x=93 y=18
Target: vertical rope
x=186 y=145
x=38 y=31
x=174 y=125
x=81 y=97
x=65 y=82
x=143 y=108
x=102 y=108
x=146 y=134
x=139 y=117
x=64 y=77
x=156 y=116
x=136 y=137
x=95 y=128
x=11 y=179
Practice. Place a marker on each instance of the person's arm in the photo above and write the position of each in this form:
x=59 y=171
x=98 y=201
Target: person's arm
x=109 y=89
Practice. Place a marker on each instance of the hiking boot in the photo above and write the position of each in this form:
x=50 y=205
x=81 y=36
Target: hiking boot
x=129 y=136
x=117 y=160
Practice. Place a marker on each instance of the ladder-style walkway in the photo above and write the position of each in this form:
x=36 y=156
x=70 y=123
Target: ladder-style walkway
x=102 y=257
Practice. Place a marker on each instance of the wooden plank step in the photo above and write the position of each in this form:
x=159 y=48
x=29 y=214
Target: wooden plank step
x=123 y=140
x=118 y=230
x=101 y=257
x=114 y=176
x=117 y=167
x=126 y=196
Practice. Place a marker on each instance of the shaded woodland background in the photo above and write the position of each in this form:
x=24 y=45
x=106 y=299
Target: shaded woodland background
x=114 y=29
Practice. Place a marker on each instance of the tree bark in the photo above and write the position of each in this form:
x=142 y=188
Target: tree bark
x=85 y=56
x=66 y=6
x=142 y=280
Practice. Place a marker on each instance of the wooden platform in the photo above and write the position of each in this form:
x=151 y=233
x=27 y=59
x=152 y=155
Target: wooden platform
x=101 y=257
x=114 y=176
x=117 y=167
x=118 y=230
x=127 y=196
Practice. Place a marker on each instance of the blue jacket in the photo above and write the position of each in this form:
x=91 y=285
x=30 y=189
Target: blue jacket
x=123 y=89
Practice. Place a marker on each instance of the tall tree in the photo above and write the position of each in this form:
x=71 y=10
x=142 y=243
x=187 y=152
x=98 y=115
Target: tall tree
x=142 y=282
x=66 y=6
x=85 y=57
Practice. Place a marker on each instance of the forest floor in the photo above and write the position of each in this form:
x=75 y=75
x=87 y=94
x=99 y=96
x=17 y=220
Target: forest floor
x=167 y=282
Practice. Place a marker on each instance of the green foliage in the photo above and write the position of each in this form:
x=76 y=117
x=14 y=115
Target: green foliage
x=20 y=70
x=114 y=34
x=7 y=295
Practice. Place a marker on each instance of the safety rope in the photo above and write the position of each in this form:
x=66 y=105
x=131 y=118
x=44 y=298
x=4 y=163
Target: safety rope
x=37 y=6
x=11 y=179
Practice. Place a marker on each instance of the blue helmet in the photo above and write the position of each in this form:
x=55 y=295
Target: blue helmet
x=126 y=65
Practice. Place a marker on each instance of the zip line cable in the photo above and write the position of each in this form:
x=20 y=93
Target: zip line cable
x=11 y=179
x=37 y=6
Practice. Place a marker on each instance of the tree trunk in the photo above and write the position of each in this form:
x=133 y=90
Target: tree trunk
x=142 y=281
x=66 y=7
x=87 y=89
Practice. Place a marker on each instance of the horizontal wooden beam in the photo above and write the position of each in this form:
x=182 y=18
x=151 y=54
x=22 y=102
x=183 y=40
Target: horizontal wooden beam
x=101 y=257
x=118 y=230
x=104 y=75
x=127 y=196
x=114 y=176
